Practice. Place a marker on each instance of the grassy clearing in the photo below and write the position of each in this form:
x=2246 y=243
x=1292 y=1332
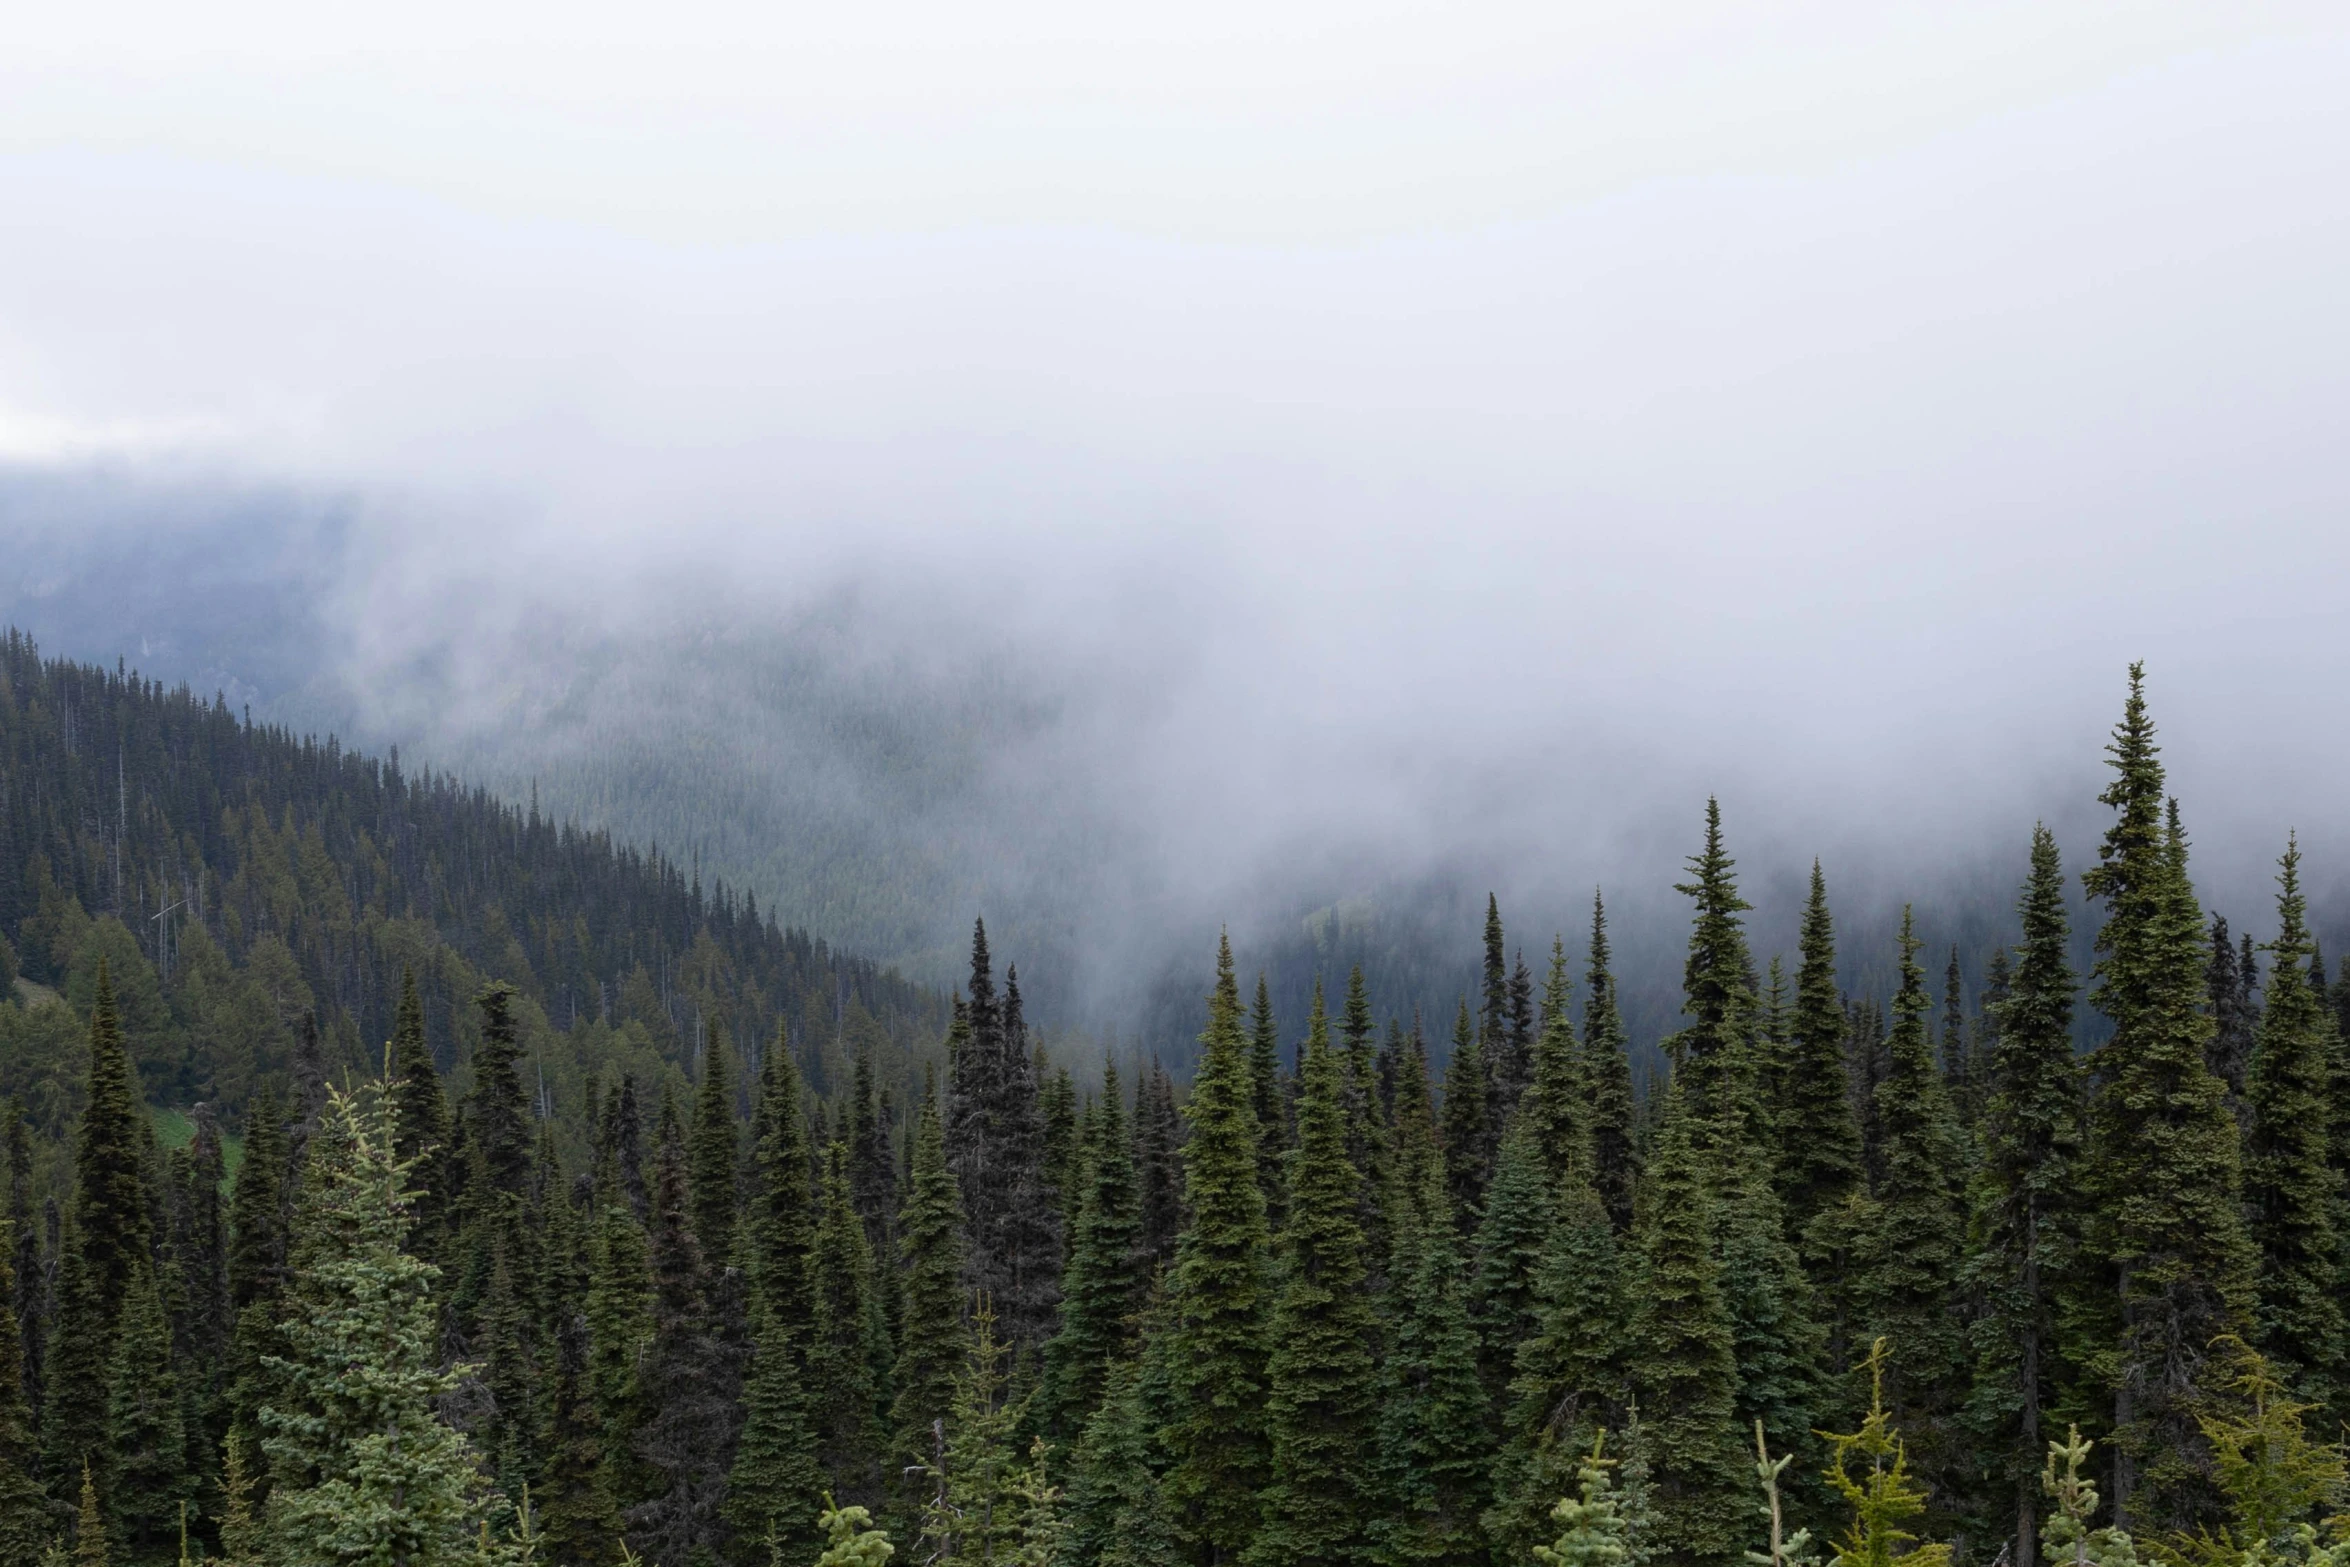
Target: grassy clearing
x=174 y=1129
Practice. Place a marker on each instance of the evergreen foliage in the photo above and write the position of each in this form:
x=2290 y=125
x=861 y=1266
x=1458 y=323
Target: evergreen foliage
x=1434 y=1450
x=1819 y=1137
x=1717 y=983
x=1607 y=1075
x=1098 y=1295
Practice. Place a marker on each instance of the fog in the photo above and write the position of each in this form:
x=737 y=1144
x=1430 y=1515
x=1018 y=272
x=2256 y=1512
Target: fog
x=1153 y=480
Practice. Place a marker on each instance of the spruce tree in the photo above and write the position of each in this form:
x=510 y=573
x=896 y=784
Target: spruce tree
x=1434 y=1448
x=1468 y=1097
x=577 y=1516
x=1220 y=1300
x=996 y=1146
x=2233 y=1017
x=1513 y=1075
x=113 y=1239
x=1683 y=1361
x=619 y=1317
x=1098 y=1296
x=1158 y=1167
x=1776 y=1338
x=24 y=1510
x=1264 y=1067
x=2162 y=1174
x=497 y=1112
x=777 y=1474
x=1321 y=1383
x=686 y=1420
x=1819 y=1137
x=842 y=1386
x=2025 y=1227
x=976 y=1511
x=362 y=1468
x=1117 y=1516
x=423 y=1119
x=146 y=1464
x=2291 y=1193
x=1567 y=1379
x=712 y=1153
x=1607 y=1073
x=932 y=1343
x=1557 y=1104
x=1959 y=1071
x=1919 y=1240
x=1519 y=1208
x=1717 y=982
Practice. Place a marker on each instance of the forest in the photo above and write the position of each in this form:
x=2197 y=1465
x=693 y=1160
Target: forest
x=395 y=1175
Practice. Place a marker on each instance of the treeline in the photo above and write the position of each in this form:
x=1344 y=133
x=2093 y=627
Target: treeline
x=1322 y=1308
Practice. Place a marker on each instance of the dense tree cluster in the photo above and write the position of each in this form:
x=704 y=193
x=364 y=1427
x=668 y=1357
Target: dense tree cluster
x=794 y=1296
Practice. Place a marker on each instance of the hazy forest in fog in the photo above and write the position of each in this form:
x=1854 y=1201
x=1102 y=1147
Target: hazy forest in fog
x=398 y=1175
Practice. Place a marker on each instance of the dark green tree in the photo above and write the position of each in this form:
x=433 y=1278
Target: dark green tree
x=423 y=1120
x=25 y=1525
x=2291 y=1193
x=712 y=1153
x=1272 y=1106
x=1717 y=982
x=1220 y=1300
x=1607 y=1073
x=148 y=1474
x=1468 y=1103
x=577 y=1517
x=1158 y=1166
x=1819 y=1137
x=1434 y=1447
x=932 y=1342
x=1557 y=1104
x=1117 y=1516
x=847 y=1342
x=2162 y=1176
x=1683 y=1360
x=682 y=1392
x=1322 y=1385
x=1520 y=1206
x=1098 y=1294
x=2025 y=1227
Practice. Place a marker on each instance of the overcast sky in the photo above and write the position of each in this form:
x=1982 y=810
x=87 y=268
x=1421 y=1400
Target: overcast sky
x=1413 y=431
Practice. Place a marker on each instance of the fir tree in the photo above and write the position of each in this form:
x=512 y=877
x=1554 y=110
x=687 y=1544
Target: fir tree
x=2162 y=1172
x=848 y=1541
x=24 y=1521
x=1321 y=1384
x=2290 y=1189
x=1264 y=1069
x=362 y=1468
x=1220 y=1300
x=423 y=1119
x=2233 y=1016
x=1098 y=1296
x=1819 y=1138
x=497 y=1113
x=90 y=1548
x=1158 y=1167
x=1567 y=1381
x=843 y=1389
x=2024 y=1226
x=1366 y=1144
x=112 y=1235
x=619 y=1319
x=577 y=1516
x=711 y=1154
x=996 y=1147
x=976 y=1512
x=932 y=1344
x=1717 y=982
x=1556 y=1107
x=1519 y=1209
x=1434 y=1450
x=1775 y=1338
x=686 y=1422
x=1515 y=1071
x=1592 y=1530
x=1920 y=1234
x=1493 y=1005
x=1117 y=1516
x=1607 y=1073
x=146 y=1464
x=1959 y=1072
x=1468 y=1094
x=1683 y=1362
x=872 y=1173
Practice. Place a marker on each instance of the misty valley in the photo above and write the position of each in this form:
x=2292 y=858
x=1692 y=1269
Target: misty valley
x=397 y=1175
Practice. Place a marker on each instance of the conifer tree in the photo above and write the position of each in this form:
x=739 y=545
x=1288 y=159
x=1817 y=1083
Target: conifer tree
x=996 y=1147
x=1264 y=1067
x=1098 y=1291
x=1607 y=1074
x=1520 y=1206
x=112 y=1236
x=423 y=1119
x=362 y=1468
x=1117 y=1516
x=1434 y=1449
x=1717 y=982
x=2024 y=1224
x=1819 y=1137
x=1321 y=1384
x=1512 y=1077
x=932 y=1343
x=1493 y=1006
x=90 y=1547
x=1920 y=1235
x=2162 y=1173
x=976 y=1513
x=2291 y=1193
x=1158 y=1167
x=619 y=1320
x=146 y=1457
x=24 y=1511
x=681 y=1440
x=508 y=1438
x=1592 y=1530
x=1959 y=1071
x=497 y=1113
x=712 y=1153
x=1364 y=1115
x=2233 y=1016
x=1779 y=1346
x=1220 y=1300
x=1468 y=1096
x=843 y=1388
x=1567 y=1381
x=1557 y=1103
x=872 y=1173
x=777 y=1473
x=577 y=1516
x=1683 y=1363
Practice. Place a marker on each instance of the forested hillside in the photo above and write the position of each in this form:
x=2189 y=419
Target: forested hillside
x=750 y=1302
